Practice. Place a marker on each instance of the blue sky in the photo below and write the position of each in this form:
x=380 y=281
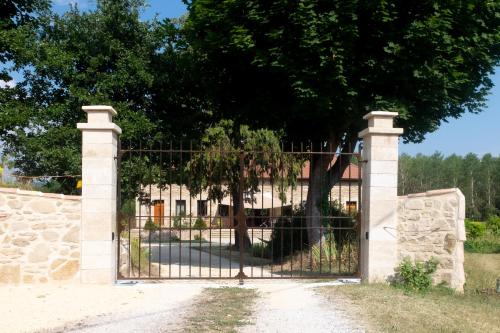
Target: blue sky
x=478 y=133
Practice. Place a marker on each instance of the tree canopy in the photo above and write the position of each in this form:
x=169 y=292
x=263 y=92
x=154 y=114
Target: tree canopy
x=105 y=56
x=315 y=67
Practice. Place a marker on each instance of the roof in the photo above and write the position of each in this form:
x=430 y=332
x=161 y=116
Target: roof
x=351 y=173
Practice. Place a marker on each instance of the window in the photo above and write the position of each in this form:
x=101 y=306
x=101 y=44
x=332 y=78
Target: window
x=202 y=207
x=351 y=207
x=223 y=210
x=180 y=207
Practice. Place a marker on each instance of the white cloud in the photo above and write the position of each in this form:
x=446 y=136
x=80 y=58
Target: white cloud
x=5 y=84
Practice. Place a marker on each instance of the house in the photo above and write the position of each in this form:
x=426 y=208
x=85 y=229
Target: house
x=174 y=205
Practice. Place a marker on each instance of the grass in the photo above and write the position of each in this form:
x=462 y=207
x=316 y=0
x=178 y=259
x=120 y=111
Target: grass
x=481 y=271
x=388 y=309
x=140 y=256
x=487 y=243
x=221 y=310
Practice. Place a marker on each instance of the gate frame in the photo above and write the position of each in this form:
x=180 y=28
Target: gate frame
x=99 y=253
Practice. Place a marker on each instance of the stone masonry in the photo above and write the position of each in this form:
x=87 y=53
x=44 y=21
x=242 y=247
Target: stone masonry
x=39 y=236
x=431 y=225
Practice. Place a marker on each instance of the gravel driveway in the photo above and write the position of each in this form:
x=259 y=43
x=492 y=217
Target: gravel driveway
x=290 y=306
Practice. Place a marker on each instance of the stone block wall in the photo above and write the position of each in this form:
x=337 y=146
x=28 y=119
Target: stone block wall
x=431 y=225
x=39 y=236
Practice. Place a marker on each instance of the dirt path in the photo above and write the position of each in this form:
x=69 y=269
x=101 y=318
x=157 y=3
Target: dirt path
x=295 y=307
x=92 y=308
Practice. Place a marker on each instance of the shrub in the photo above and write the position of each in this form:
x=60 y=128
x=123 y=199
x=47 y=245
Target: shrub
x=288 y=236
x=200 y=224
x=486 y=244
x=138 y=255
x=177 y=222
x=199 y=238
x=128 y=208
x=322 y=255
x=260 y=250
x=493 y=225
x=474 y=229
x=150 y=225
x=415 y=277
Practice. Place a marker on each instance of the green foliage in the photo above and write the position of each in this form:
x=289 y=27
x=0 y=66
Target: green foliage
x=260 y=250
x=16 y=18
x=329 y=62
x=150 y=225
x=493 y=225
x=289 y=235
x=477 y=178
x=415 y=277
x=128 y=208
x=484 y=244
x=199 y=238
x=323 y=254
x=139 y=256
x=216 y=169
x=200 y=224
x=108 y=56
x=474 y=229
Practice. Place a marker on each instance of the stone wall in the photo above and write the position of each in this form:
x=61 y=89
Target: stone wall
x=431 y=224
x=39 y=236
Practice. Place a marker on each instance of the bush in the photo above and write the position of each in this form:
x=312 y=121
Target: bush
x=139 y=255
x=199 y=238
x=260 y=250
x=288 y=236
x=474 y=229
x=323 y=255
x=415 y=277
x=486 y=244
x=177 y=222
x=128 y=209
x=150 y=225
x=200 y=224
x=493 y=225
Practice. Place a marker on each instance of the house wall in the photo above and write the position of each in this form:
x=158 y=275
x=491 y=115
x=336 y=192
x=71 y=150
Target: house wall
x=431 y=225
x=39 y=236
x=344 y=192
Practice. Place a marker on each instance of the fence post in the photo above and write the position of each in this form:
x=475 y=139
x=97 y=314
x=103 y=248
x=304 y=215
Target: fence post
x=379 y=197
x=99 y=191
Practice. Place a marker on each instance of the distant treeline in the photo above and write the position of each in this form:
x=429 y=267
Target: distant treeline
x=477 y=177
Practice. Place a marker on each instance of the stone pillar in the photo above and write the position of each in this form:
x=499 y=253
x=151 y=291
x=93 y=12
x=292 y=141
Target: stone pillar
x=379 y=197
x=99 y=187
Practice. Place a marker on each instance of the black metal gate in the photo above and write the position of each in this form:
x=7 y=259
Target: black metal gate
x=188 y=212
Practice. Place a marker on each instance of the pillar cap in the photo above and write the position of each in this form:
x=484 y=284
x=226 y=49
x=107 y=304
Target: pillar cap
x=99 y=127
x=381 y=131
x=97 y=108
x=385 y=114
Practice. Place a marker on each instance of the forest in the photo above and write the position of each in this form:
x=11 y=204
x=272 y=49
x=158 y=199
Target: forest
x=477 y=177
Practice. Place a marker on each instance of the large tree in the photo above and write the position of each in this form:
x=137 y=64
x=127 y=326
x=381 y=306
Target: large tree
x=314 y=67
x=104 y=56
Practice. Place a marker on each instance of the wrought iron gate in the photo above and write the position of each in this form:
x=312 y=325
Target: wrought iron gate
x=203 y=212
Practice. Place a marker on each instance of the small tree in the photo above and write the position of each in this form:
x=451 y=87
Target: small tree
x=216 y=168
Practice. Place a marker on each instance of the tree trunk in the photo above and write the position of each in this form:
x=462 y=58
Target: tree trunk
x=246 y=239
x=322 y=177
x=315 y=196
